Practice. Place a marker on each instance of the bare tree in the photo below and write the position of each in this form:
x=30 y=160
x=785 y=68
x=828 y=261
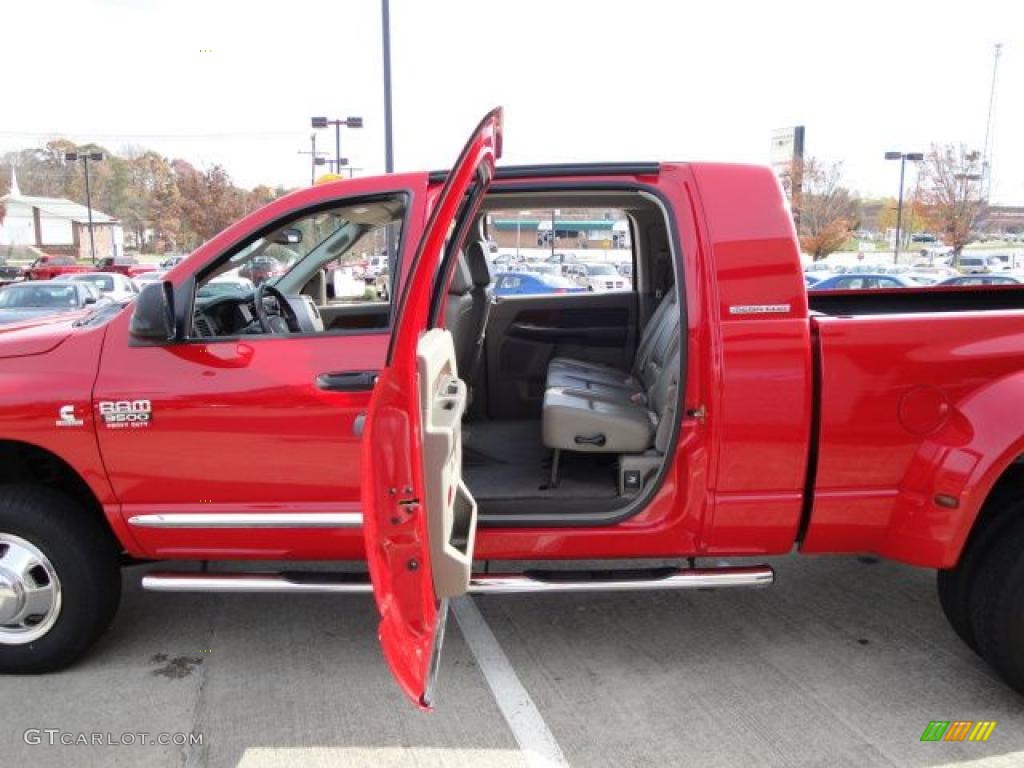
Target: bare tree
x=826 y=210
x=952 y=191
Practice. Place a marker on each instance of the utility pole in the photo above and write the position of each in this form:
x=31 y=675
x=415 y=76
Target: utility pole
x=986 y=153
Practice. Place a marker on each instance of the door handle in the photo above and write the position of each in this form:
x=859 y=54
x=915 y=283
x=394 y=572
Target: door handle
x=347 y=381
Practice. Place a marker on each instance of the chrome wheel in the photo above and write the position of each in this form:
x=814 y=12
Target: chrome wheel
x=30 y=596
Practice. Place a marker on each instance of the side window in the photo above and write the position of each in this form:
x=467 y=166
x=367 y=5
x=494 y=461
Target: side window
x=309 y=274
x=561 y=251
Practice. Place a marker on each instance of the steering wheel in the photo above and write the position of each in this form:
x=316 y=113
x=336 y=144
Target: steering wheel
x=286 y=322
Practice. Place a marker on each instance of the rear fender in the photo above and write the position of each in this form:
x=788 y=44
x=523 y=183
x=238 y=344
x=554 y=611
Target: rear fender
x=953 y=473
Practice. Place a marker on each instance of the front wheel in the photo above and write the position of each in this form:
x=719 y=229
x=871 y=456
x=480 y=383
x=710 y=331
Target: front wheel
x=60 y=581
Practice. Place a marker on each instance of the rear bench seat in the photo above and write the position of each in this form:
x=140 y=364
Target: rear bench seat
x=599 y=409
x=583 y=374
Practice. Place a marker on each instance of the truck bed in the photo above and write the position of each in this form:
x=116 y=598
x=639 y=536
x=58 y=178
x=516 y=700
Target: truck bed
x=917 y=300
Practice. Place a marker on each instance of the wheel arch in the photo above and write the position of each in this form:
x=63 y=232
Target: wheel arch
x=952 y=486
x=24 y=463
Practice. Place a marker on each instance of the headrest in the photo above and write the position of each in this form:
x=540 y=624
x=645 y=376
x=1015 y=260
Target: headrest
x=462 y=280
x=476 y=259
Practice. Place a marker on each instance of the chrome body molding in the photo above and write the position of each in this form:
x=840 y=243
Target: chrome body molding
x=481 y=584
x=249 y=520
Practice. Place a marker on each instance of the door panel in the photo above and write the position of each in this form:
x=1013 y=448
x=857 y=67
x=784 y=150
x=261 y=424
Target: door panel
x=234 y=426
x=525 y=332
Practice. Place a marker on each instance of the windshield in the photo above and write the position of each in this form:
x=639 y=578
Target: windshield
x=334 y=255
x=46 y=296
x=601 y=269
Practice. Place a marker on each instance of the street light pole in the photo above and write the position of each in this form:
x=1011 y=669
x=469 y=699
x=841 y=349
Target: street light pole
x=85 y=157
x=899 y=213
x=348 y=122
x=902 y=157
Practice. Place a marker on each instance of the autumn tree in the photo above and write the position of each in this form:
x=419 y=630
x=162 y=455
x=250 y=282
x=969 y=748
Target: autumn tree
x=826 y=210
x=951 y=183
x=162 y=204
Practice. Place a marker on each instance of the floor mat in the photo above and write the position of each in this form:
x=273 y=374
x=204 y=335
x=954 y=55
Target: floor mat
x=506 y=460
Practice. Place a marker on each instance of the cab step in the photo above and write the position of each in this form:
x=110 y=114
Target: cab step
x=528 y=582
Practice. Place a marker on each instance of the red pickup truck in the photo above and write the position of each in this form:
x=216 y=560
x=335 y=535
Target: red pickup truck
x=711 y=413
x=49 y=267
x=125 y=265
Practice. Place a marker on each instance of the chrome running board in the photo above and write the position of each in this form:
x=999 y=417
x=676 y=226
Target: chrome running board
x=529 y=582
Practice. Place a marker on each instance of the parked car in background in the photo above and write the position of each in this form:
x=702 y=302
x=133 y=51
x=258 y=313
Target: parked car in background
x=113 y=285
x=10 y=273
x=532 y=284
x=981 y=280
x=861 y=282
x=597 y=276
x=129 y=266
x=48 y=267
x=141 y=281
x=262 y=268
x=172 y=261
x=226 y=285
x=810 y=278
x=28 y=300
x=970 y=264
x=921 y=278
x=541 y=268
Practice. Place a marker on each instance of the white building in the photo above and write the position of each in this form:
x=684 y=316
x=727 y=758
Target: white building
x=55 y=225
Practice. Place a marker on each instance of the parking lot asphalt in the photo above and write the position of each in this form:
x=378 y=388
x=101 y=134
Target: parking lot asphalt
x=843 y=663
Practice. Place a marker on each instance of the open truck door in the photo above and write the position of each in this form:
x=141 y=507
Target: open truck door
x=419 y=520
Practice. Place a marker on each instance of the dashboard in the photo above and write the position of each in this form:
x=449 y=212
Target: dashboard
x=236 y=315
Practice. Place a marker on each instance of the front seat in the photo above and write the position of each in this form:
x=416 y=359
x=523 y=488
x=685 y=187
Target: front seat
x=469 y=306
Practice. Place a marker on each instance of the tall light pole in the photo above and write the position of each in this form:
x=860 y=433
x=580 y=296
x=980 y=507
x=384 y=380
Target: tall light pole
x=986 y=153
x=902 y=157
x=348 y=122
x=85 y=157
x=385 y=19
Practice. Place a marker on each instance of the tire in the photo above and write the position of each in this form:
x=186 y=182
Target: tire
x=67 y=554
x=997 y=606
x=955 y=585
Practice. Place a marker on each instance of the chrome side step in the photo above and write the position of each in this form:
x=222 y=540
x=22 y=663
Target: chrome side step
x=528 y=582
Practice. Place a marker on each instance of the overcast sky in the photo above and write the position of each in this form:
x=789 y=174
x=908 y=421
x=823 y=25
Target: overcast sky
x=236 y=83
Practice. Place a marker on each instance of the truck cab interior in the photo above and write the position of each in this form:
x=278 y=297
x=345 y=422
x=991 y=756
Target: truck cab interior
x=573 y=396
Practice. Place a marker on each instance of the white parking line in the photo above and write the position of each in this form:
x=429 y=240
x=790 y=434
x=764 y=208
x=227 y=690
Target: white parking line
x=528 y=727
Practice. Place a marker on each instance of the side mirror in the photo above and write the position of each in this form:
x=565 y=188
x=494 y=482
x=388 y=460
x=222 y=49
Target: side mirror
x=287 y=236
x=153 y=318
